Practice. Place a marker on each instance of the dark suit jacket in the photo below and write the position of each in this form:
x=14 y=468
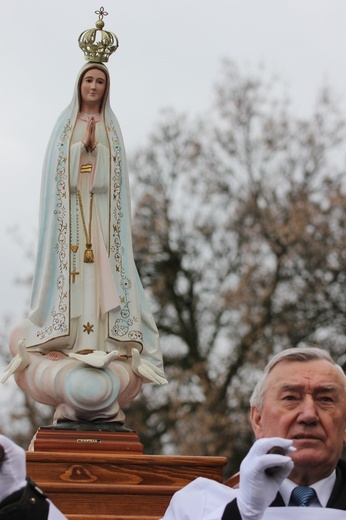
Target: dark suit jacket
x=337 y=499
x=28 y=503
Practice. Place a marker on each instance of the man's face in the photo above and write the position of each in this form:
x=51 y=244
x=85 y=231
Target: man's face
x=306 y=402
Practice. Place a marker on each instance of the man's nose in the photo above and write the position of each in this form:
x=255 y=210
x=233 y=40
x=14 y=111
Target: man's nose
x=308 y=411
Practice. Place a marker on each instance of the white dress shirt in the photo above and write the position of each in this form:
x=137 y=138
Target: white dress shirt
x=323 y=490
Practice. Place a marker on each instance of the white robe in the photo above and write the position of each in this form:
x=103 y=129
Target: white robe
x=205 y=499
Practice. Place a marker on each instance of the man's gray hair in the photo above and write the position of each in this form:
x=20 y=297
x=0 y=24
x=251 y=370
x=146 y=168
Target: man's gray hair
x=291 y=354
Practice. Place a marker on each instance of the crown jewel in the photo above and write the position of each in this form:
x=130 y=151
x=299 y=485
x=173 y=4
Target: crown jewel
x=98 y=51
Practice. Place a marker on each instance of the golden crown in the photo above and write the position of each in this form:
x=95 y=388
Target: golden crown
x=98 y=51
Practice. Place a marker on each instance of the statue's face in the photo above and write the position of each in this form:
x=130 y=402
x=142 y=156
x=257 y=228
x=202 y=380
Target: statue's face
x=92 y=89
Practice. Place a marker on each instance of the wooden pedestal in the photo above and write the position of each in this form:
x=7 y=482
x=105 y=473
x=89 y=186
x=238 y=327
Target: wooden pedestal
x=86 y=441
x=97 y=482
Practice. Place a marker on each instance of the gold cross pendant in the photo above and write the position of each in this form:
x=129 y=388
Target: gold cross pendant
x=74 y=274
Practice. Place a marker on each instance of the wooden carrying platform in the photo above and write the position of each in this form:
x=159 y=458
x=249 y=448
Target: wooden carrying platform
x=105 y=476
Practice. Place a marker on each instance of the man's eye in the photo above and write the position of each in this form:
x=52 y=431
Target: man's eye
x=326 y=399
x=289 y=397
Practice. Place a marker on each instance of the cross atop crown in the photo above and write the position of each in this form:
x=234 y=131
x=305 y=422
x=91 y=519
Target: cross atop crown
x=98 y=51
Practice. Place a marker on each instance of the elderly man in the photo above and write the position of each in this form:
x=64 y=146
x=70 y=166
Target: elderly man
x=298 y=408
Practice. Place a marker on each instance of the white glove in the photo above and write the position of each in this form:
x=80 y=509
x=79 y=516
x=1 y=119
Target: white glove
x=257 y=489
x=12 y=468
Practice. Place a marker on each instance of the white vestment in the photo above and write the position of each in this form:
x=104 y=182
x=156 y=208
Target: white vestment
x=205 y=499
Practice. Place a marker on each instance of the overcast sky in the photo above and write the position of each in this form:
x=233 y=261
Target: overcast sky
x=169 y=55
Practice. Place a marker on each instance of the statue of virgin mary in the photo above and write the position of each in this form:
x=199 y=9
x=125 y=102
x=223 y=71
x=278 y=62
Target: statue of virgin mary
x=90 y=340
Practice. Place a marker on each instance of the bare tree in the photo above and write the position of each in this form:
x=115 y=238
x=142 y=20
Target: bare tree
x=239 y=234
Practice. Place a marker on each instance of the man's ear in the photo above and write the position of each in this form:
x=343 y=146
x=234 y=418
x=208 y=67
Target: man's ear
x=345 y=434
x=256 y=421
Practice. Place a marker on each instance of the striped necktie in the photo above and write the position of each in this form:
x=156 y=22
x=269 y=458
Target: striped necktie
x=303 y=496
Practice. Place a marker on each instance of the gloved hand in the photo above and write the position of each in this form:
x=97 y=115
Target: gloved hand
x=257 y=489
x=12 y=468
